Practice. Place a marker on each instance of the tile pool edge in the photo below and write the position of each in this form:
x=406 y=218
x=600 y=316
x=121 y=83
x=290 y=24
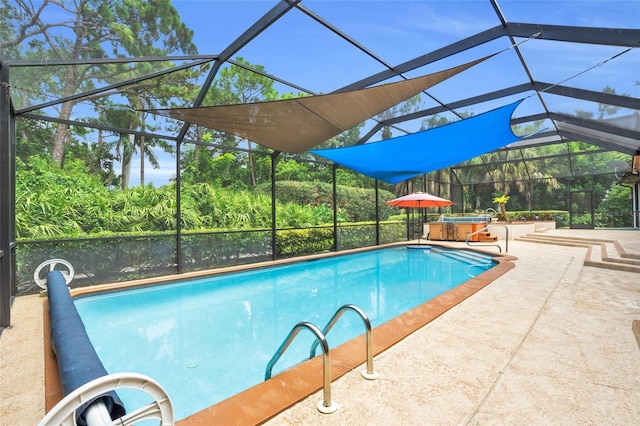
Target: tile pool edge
x=265 y=400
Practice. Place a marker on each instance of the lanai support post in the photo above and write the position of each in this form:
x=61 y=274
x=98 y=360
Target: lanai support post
x=377 y=213
x=274 y=243
x=7 y=199
x=334 y=194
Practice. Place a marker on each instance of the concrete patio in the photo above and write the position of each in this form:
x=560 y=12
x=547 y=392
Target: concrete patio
x=550 y=342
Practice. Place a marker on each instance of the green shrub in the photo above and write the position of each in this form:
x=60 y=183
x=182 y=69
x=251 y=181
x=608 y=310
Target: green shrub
x=354 y=204
x=301 y=242
x=217 y=249
x=392 y=231
x=356 y=235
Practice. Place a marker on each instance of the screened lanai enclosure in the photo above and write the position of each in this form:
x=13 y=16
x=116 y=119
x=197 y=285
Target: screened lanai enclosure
x=175 y=137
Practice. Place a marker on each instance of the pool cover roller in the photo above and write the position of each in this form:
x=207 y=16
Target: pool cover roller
x=78 y=362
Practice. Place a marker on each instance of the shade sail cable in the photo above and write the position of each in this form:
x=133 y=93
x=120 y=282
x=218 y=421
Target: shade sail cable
x=599 y=64
x=397 y=159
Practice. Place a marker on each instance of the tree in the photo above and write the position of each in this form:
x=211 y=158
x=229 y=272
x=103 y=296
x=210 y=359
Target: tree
x=131 y=117
x=603 y=109
x=410 y=105
x=88 y=29
x=502 y=201
x=240 y=85
x=616 y=209
x=29 y=134
x=437 y=121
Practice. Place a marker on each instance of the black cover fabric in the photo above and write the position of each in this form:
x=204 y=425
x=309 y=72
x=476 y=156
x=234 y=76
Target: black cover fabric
x=78 y=362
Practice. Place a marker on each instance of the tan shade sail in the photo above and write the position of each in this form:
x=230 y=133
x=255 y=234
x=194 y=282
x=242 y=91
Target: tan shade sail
x=297 y=125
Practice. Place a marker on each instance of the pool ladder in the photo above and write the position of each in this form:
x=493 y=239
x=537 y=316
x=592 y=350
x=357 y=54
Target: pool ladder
x=326 y=406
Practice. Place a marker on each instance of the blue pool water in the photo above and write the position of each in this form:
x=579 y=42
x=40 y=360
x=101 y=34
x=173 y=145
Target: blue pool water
x=205 y=340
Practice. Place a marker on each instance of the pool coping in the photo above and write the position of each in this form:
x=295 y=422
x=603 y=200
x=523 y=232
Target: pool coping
x=262 y=402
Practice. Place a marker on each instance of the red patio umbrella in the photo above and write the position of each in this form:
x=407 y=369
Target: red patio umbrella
x=419 y=200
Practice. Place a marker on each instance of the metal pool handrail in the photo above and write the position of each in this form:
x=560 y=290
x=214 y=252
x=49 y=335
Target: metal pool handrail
x=486 y=228
x=325 y=406
x=368 y=373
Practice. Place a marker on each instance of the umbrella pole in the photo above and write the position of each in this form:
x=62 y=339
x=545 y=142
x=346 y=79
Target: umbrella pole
x=420 y=226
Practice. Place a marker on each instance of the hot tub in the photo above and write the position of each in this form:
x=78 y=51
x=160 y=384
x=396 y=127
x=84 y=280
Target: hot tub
x=457 y=228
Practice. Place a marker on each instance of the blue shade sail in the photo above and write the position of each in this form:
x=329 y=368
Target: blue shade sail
x=397 y=159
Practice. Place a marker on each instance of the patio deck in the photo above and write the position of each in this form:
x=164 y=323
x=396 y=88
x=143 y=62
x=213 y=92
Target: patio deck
x=550 y=342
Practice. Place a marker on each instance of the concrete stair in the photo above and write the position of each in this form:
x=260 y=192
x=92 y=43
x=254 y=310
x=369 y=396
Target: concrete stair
x=486 y=237
x=601 y=253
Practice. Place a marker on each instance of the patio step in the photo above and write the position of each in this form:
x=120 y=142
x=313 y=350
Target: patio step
x=556 y=240
x=601 y=253
x=486 y=237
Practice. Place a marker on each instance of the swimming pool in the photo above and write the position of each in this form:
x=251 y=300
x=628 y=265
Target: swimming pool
x=208 y=339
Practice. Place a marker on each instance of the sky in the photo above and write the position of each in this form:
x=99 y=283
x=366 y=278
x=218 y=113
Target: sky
x=298 y=49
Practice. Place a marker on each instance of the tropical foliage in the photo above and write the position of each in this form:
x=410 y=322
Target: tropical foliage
x=71 y=202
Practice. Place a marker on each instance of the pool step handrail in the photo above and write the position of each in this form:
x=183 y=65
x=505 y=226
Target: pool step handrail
x=486 y=228
x=491 y=212
x=369 y=373
x=326 y=406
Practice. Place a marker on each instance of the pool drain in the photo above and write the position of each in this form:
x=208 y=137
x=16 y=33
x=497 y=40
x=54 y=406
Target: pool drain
x=192 y=363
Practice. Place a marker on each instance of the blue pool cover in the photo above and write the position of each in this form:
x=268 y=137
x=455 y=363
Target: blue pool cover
x=78 y=362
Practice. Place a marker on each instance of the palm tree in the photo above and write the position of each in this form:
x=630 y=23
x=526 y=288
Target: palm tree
x=502 y=201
